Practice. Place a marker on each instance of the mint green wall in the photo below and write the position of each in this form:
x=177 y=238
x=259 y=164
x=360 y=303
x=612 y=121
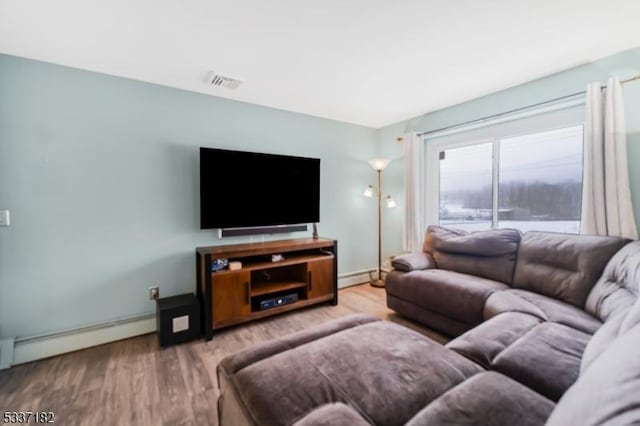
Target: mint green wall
x=625 y=65
x=101 y=176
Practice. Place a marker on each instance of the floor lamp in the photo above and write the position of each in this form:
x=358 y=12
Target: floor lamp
x=378 y=165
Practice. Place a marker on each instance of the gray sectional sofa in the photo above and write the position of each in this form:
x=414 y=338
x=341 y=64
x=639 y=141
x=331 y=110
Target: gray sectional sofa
x=546 y=330
x=462 y=279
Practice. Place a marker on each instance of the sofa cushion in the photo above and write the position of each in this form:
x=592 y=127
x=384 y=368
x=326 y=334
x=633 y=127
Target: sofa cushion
x=360 y=366
x=608 y=392
x=453 y=294
x=337 y=414
x=489 y=399
x=562 y=266
x=546 y=359
x=483 y=343
x=489 y=254
x=543 y=307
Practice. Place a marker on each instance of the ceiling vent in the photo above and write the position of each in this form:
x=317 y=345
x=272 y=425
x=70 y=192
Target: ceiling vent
x=220 y=80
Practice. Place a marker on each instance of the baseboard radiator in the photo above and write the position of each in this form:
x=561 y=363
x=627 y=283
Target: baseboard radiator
x=26 y=349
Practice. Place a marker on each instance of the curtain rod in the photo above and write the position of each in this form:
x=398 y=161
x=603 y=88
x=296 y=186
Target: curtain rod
x=637 y=77
x=501 y=114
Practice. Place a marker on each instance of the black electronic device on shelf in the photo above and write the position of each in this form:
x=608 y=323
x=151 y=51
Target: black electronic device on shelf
x=272 y=302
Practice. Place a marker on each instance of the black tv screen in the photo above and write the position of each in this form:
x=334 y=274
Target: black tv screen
x=240 y=189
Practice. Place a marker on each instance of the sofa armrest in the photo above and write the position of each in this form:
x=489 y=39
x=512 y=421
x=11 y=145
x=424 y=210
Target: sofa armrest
x=413 y=261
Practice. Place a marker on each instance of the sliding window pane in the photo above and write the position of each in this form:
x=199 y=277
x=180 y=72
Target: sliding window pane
x=466 y=187
x=540 y=181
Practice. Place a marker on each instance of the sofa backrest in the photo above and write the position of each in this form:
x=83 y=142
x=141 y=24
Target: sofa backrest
x=608 y=389
x=614 y=299
x=619 y=286
x=489 y=254
x=563 y=266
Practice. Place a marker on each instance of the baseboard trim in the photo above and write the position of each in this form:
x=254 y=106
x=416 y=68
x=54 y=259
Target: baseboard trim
x=6 y=353
x=32 y=348
x=51 y=344
x=354 y=278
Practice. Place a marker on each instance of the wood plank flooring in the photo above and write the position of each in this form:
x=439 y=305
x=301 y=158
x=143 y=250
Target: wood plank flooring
x=134 y=382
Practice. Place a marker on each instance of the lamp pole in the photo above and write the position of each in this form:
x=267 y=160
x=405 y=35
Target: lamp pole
x=379 y=225
x=379 y=282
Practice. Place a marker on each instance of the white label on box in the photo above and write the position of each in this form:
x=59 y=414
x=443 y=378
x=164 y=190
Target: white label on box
x=181 y=323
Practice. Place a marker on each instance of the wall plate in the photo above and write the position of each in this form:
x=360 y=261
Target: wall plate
x=5 y=218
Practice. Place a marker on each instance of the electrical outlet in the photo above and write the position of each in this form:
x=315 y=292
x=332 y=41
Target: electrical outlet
x=154 y=292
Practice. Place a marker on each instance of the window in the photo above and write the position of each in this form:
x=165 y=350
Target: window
x=466 y=186
x=527 y=176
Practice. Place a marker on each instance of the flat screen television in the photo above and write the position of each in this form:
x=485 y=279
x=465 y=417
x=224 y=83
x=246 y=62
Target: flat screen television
x=241 y=189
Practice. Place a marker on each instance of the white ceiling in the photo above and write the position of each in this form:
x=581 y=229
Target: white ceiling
x=369 y=62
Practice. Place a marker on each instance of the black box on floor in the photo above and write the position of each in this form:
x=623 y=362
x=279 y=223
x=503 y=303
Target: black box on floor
x=178 y=319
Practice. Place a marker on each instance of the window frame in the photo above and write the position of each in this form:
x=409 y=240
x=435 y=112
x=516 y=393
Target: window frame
x=552 y=118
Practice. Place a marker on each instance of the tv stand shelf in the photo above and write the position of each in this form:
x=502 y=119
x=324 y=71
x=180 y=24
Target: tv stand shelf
x=268 y=288
x=306 y=276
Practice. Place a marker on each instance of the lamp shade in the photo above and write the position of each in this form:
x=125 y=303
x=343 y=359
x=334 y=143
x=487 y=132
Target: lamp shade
x=379 y=163
x=391 y=203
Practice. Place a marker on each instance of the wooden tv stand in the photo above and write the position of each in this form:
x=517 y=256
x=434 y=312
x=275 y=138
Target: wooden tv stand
x=308 y=274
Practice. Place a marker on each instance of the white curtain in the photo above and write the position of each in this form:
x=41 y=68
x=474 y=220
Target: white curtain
x=606 y=195
x=414 y=192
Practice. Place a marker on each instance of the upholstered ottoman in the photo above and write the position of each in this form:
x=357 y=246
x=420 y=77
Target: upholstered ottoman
x=357 y=366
